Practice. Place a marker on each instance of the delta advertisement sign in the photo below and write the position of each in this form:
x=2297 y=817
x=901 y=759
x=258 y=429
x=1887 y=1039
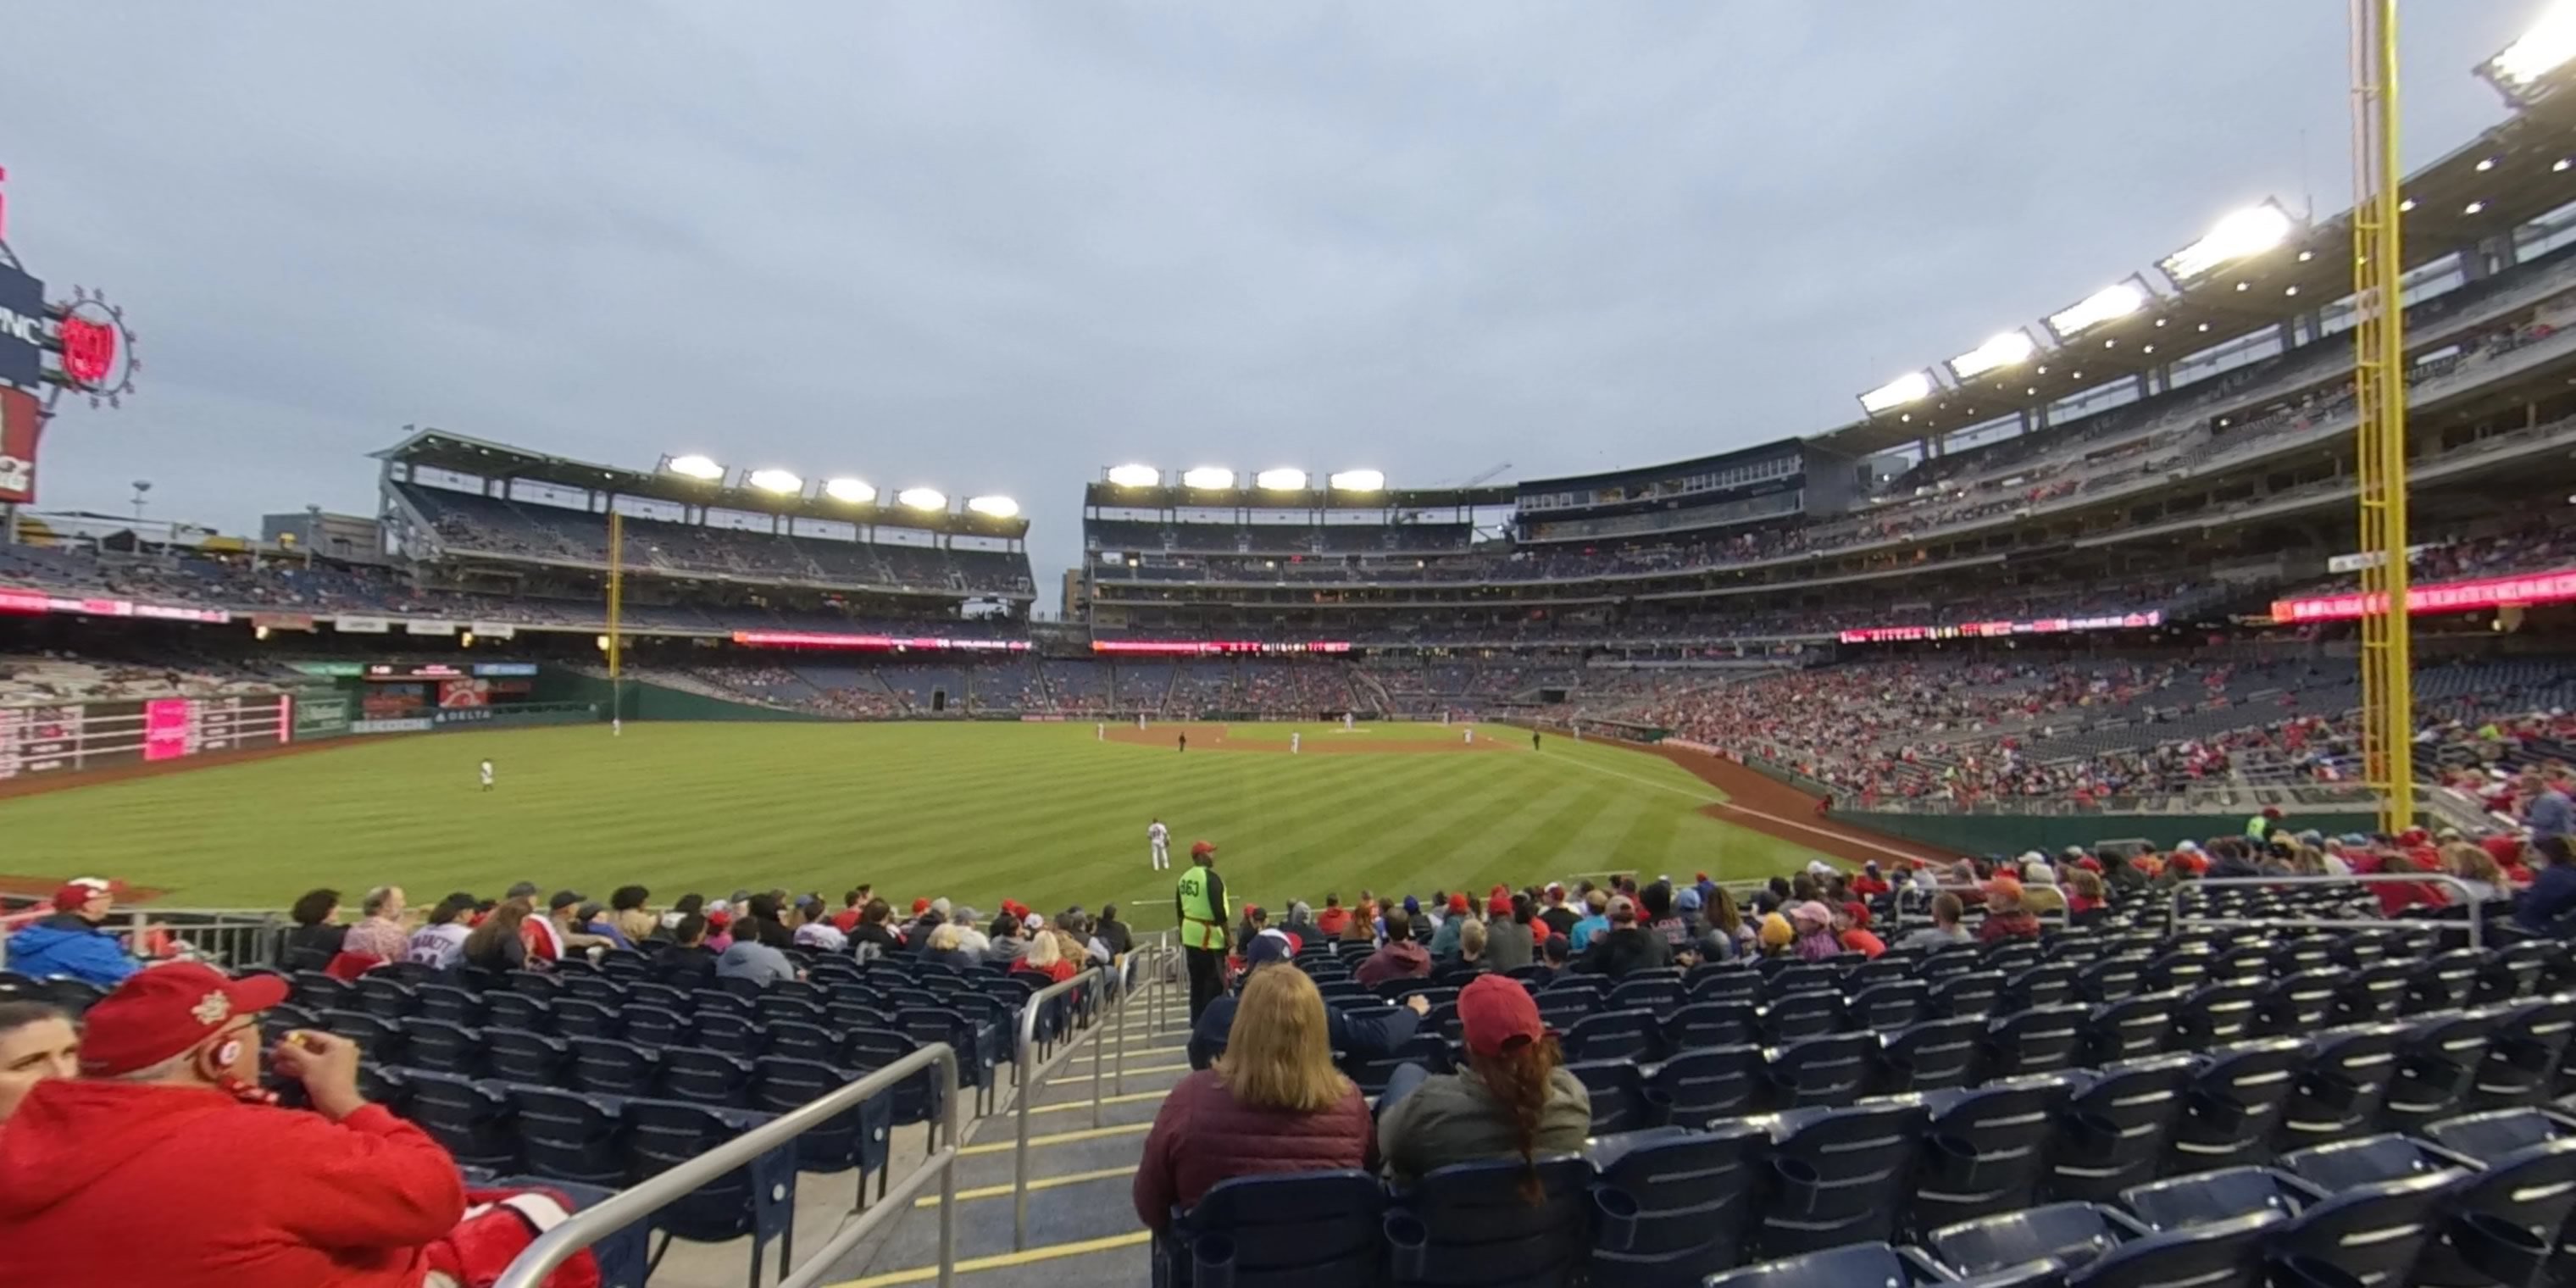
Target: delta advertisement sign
x=2435 y=597
x=1999 y=630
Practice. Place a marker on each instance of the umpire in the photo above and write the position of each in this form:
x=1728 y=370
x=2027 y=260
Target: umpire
x=1200 y=897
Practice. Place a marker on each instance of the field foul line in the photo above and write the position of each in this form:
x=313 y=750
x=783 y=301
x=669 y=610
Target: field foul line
x=1723 y=803
x=924 y=1274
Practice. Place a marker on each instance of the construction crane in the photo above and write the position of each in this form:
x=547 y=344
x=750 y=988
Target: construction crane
x=1488 y=475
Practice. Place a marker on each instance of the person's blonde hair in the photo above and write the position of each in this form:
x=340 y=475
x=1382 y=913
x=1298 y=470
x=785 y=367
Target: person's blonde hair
x=945 y=938
x=1279 y=1055
x=2474 y=863
x=1044 y=950
x=1471 y=939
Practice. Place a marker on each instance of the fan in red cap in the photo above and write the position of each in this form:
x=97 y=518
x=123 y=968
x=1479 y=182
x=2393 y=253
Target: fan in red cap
x=1513 y=1099
x=169 y=1124
x=70 y=943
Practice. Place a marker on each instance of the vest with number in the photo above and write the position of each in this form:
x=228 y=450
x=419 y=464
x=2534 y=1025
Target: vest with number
x=1202 y=923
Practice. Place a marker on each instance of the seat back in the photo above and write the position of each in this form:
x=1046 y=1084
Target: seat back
x=2376 y=1233
x=2110 y=979
x=2236 y=1100
x=516 y=1055
x=1469 y=1223
x=2340 y=1091
x=1929 y=1056
x=2437 y=1068
x=569 y=1136
x=705 y=1077
x=2212 y=1196
x=1822 y=1071
x=579 y=1017
x=2299 y=1003
x=2373 y=992
x=854 y=1137
x=1612 y=1035
x=1711 y=1024
x=2132 y=1028
x=2117 y=1127
x=1618 y=1090
x=1862 y=1265
x=1696 y=1088
x=442 y=1045
x=1986 y=1149
x=2072 y=1234
x=473 y=1120
x=2363 y=1160
x=2227 y=1254
x=2216 y=1015
x=1655 y=995
x=750 y=1200
x=1890 y=1006
x=2043 y=1039
x=1971 y=995
x=1839 y=1175
x=1694 y=1196
x=2047 y=984
x=1278 y=1232
x=2524 y=1052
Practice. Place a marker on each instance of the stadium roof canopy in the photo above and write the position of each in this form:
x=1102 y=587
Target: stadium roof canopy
x=1109 y=495
x=2510 y=175
x=457 y=454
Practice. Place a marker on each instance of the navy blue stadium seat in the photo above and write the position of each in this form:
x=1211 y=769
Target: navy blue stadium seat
x=315 y=991
x=1468 y=1224
x=569 y=1136
x=2110 y=979
x=1866 y=1265
x=2345 y=1081
x=2229 y=1254
x=651 y=1026
x=1711 y=1024
x=1612 y=1035
x=1697 y=1088
x=517 y=1055
x=2437 y=1068
x=2298 y=1004
x=379 y=1040
x=2043 y=1039
x=1839 y=1175
x=1647 y=994
x=510 y=1009
x=2444 y=983
x=2373 y=992
x=796 y=1040
x=717 y=1030
x=1277 y=1232
x=607 y=1067
x=2133 y=1028
x=916 y=1099
x=1724 y=984
x=1928 y=1056
x=607 y=990
x=1969 y=996
x=1693 y=1198
x=382 y=995
x=2373 y=1232
x=439 y=1000
x=2525 y=1052
x=2046 y=984
x=666 y=996
x=1808 y=1014
x=1618 y=1089
x=2216 y=1015
x=856 y=1138
x=443 y=1046
x=2117 y=1126
x=757 y=1200
x=2074 y=1235
x=1889 y=1007
x=2203 y=1197
x=1986 y=1149
x=581 y=1017
x=2235 y=1102
x=1822 y=1071
x=473 y=1120
x=697 y=1077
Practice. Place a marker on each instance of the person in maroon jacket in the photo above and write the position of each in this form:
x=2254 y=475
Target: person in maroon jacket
x=1273 y=1103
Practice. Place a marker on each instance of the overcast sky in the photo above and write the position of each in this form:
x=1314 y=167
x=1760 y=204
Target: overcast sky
x=994 y=247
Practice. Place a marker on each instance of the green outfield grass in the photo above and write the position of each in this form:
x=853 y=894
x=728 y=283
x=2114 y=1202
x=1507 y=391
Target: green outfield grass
x=1042 y=813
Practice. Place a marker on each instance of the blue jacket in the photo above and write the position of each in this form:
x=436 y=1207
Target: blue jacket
x=66 y=945
x=1373 y=1035
x=2551 y=897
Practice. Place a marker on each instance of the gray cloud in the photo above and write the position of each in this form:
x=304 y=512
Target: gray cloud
x=992 y=247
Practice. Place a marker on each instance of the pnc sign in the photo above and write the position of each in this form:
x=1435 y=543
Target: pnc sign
x=22 y=328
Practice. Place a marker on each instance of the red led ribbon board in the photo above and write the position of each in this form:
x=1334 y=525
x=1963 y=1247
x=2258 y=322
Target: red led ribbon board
x=2553 y=587
x=22 y=420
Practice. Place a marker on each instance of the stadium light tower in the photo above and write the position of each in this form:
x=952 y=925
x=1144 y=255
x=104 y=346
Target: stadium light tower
x=1281 y=480
x=694 y=466
x=2523 y=71
x=2010 y=349
x=850 y=491
x=2239 y=236
x=923 y=498
x=2110 y=304
x=1912 y=387
x=1358 y=481
x=1135 y=475
x=994 y=507
x=1209 y=478
x=775 y=481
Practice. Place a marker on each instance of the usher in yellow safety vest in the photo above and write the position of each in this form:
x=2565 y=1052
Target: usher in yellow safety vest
x=1202 y=922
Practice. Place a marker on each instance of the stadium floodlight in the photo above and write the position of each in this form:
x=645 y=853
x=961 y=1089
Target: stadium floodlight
x=1209 y=478
x=2242 y=235
x=779 y=481
x=1281 y=480
x=853 y=491
x=695 y=466
x=1135 y=475
x=993 y=507
x=2110 y=304
x=1359 y=481
x=2518 y=71
x=2010 y=349
x=1912 y=387
x=923 y=498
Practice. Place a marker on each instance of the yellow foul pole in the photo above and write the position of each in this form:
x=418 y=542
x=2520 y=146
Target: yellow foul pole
x=616 y=594
x=2379 y=378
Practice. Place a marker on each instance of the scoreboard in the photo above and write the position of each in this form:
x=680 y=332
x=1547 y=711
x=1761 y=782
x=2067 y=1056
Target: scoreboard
x=88 y=735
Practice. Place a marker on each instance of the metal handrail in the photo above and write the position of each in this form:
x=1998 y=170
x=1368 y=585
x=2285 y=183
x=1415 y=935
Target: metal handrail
x=1029 y=1079
x=644 y=1198
x=2476 y=924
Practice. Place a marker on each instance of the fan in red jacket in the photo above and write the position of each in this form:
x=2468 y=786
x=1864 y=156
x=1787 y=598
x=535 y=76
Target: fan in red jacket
x=1273 y=1103
x=173 y=1143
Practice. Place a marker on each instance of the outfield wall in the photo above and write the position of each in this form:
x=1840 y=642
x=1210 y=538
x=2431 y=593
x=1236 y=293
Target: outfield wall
x=645 y=701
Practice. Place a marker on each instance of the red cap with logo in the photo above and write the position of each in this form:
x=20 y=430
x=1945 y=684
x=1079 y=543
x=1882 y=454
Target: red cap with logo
x=1498 y=1015
x=1198 y=848
x=80 y=890
x=159 y=1013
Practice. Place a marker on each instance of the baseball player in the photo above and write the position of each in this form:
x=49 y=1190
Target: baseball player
x=1295 y=740
x=1160 y=837
x=487 y=775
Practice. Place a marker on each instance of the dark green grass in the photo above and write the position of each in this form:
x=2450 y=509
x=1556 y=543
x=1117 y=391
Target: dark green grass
x=1044 y=814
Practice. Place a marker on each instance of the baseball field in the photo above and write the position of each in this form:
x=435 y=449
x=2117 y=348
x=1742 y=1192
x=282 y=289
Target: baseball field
x=1048 y=814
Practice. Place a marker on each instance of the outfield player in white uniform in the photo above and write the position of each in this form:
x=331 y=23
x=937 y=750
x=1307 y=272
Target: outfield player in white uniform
x=487 y=775
x=1295 y=740
x=1160 y=837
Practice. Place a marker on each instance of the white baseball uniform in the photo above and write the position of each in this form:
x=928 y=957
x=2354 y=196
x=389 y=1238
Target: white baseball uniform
x=487 y=775
x=1160 y=837
x=1294 y=742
